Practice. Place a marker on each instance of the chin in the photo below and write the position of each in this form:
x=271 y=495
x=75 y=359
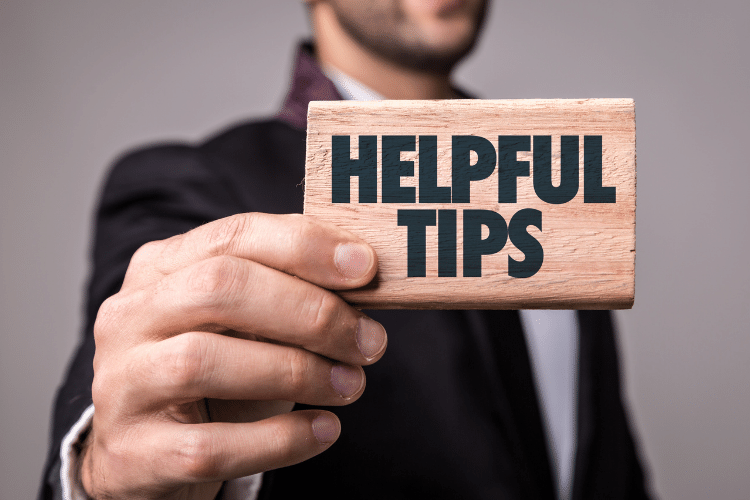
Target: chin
x=448 y=38
x=453 y=33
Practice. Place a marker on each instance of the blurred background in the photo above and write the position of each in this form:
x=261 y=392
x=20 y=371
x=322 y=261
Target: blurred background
x=83 y=80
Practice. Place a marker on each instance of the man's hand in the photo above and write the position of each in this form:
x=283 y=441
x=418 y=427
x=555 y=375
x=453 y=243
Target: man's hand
x=212 y=338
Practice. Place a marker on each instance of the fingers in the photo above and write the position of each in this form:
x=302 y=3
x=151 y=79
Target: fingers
x=302 y=246
x=221 y=451
x=247 y=297
x=197 y=365
x=175 y=454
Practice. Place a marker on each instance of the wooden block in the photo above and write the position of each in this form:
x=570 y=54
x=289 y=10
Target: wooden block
x=458 y=198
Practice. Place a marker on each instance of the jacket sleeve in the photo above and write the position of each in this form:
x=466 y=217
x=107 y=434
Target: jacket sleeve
x=150 y=194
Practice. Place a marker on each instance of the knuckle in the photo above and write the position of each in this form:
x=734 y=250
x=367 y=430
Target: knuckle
x=182 y=361
x=297 y=368
x=145 y=255
x=301 y=234
x=196 y=454
x=107 y=315
x=117 y=450
x=224 y=235
x=110 y=454
x=322 y=314
x=162 y=258
x=112 y=389
x=100 y=393
x=214 y=280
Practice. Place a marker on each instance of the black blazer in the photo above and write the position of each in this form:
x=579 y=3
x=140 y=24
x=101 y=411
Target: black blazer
x=450 y=411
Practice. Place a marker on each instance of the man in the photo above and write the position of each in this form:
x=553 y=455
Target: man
x=202 y=335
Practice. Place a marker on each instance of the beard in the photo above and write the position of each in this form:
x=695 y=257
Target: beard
x=388 y=33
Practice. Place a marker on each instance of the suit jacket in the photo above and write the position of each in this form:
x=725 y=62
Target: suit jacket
x=450 y=411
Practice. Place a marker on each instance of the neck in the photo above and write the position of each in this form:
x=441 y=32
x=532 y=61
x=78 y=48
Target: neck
x=334 y=47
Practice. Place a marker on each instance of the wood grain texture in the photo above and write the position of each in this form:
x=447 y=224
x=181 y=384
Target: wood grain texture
x=589 y=248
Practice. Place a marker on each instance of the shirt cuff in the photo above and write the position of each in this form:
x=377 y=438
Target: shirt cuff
x=243 y=488
x=69 y=458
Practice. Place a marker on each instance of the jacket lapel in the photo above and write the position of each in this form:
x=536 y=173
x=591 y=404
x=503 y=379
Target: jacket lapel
x=517 y=402
x=309 y=83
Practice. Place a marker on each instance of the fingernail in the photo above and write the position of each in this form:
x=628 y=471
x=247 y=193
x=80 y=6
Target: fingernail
x=352 y=260
x=346 y=380
x=371 y=337
x=326 y=428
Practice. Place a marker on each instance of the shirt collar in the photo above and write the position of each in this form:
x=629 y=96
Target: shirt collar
x=310 y=83
x=349 y=88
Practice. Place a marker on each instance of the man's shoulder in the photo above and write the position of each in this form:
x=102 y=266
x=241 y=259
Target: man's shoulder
x=253 y=162
x=247 y=136
x=244 y=146
x=254 y=134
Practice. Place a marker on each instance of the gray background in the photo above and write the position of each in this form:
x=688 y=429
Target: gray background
x=81 y=80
